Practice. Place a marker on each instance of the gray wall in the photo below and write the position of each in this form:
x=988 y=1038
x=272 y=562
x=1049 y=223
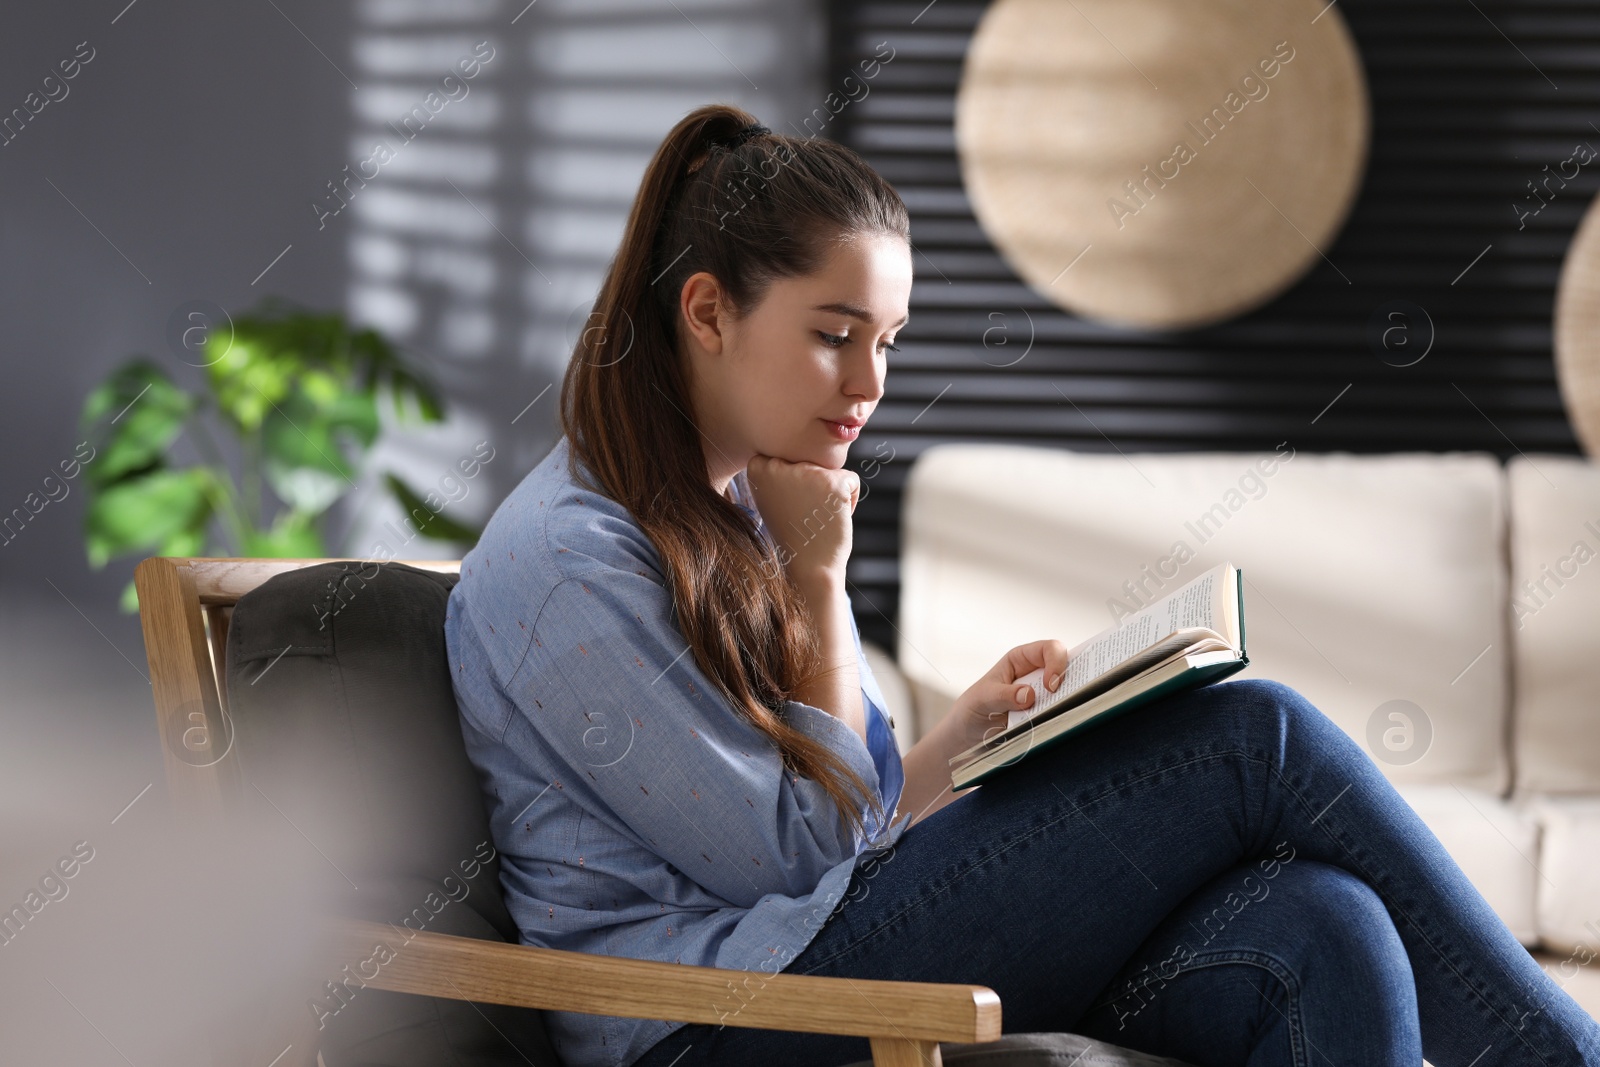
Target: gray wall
x=187 y=156
x=178 y=165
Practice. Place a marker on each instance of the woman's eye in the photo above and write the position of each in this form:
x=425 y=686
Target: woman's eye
x=836 y=340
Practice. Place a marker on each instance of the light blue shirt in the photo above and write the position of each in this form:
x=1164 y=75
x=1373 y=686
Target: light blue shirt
x=636 y=812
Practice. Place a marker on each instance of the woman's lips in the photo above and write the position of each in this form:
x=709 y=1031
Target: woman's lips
x=840 y=431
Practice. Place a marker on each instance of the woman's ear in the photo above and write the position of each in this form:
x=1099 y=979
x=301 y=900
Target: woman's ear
x=701 y=303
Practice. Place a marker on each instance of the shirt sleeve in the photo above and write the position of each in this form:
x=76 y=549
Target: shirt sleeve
x=612 y=692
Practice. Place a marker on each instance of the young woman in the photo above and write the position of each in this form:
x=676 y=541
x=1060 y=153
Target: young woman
x=687 y=759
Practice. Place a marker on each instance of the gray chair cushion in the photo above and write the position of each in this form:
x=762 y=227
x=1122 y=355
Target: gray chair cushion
x=353 y=734
x=1043 y=1050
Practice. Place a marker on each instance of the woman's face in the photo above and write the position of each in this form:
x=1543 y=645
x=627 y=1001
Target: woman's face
x=812 y=353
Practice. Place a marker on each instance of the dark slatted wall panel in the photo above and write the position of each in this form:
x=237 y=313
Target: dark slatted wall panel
x=1470 y=102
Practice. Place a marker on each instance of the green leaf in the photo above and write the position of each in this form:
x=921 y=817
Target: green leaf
x=439 y=527
x=250 y=379
x=187 y=542
x=279 y=343
x=167 y=511
x=135 y=415
x=405 y=386
x=321 y=388
x=293 y=536
x=378 y=361
x=305 y=445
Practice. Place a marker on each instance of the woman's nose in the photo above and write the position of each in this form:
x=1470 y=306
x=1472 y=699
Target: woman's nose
x=868 y=382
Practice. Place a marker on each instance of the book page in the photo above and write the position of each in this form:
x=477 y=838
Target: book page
x=1192 y=607
x=1192 y=618
x=1177 y=646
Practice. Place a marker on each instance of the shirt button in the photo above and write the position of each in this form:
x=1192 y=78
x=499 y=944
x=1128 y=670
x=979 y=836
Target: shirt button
x=891 y=720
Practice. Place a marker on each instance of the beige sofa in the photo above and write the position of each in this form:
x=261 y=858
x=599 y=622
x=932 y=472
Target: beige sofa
x=1444 y=609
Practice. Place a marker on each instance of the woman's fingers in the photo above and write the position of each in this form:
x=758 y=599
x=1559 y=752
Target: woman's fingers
x=790 y=495
x=995 y=694
x=1049 y=654
x=1002 y=689
x=1055 y=663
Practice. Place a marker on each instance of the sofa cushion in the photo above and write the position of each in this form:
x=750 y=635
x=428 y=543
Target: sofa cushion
x=1569 y=886
x=345 y=725
x=1369 y=579
x=1555 y=605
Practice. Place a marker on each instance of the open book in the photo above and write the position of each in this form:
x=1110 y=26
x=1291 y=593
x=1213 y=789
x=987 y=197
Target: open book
x=1186 y=639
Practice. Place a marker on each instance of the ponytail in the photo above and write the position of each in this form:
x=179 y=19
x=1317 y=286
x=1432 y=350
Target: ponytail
x=749 y=207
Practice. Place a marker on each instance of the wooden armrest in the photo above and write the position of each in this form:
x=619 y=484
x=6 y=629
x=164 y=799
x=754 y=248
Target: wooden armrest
x=492 y=972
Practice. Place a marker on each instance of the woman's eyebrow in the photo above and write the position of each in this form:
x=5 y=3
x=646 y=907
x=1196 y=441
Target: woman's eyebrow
x=856 y=313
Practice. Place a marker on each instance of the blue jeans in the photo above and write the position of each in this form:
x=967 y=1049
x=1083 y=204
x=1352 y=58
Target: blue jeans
x=1222 y=876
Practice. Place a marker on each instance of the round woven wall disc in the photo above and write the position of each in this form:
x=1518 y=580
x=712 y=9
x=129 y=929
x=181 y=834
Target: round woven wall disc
x=1162 y=163
x=1577 y=331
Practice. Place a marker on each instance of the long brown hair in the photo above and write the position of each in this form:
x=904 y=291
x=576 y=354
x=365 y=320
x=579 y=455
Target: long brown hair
x=748 y=209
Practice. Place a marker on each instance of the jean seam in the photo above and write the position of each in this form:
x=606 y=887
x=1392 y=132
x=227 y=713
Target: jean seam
x=1298 y=1042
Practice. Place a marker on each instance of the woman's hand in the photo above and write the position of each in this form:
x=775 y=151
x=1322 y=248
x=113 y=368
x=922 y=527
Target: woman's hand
x=981 y=710
x=807 y=508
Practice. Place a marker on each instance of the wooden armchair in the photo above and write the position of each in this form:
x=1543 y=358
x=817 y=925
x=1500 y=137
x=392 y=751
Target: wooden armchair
x=186 y=608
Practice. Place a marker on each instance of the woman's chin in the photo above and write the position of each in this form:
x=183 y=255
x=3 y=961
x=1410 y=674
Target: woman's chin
x=827 y=455
x=833 y=456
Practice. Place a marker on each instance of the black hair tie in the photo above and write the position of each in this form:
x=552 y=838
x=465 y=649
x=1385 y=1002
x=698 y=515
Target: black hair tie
x=755 y=129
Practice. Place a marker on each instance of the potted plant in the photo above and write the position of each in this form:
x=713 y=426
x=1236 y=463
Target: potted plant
x=297 y=390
